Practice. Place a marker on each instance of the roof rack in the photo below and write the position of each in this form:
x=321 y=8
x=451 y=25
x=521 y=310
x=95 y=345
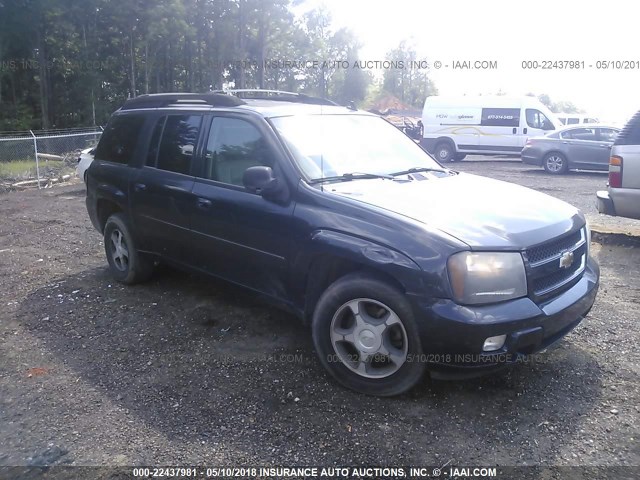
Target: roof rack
x=159 y=100
x=276 y=95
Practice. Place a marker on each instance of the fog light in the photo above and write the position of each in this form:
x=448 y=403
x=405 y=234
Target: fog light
x=492 y=344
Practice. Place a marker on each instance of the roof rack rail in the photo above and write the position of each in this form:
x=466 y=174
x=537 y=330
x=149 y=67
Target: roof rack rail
x=159 y=100
x=276 y=95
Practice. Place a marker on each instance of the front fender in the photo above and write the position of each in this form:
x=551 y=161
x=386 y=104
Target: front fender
x=369 y=254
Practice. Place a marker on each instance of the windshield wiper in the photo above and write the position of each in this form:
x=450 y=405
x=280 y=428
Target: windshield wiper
x=346 y=177
x=419 y=169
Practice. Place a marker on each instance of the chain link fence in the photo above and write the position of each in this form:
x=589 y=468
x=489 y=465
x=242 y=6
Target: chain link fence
x=39 y=158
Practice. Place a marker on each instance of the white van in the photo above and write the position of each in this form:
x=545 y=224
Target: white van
x=457 y=126
x=575 y=118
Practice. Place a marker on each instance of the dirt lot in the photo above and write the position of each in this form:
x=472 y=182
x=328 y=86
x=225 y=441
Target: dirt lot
x=185 y=370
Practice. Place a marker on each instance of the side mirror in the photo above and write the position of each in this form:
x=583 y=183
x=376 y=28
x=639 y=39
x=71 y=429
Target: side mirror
x=260 y=180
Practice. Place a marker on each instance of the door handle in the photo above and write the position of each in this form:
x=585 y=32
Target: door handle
x=203 y=204
x=139 y=187
x=515 y=130
x=524 y=130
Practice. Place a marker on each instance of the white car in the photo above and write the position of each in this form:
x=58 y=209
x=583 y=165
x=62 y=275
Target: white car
x=84 y=160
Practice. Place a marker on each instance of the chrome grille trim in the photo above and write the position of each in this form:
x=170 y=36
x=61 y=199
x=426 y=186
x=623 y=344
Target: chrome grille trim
x=557 y=256
x=583 y=264
x=545 y=277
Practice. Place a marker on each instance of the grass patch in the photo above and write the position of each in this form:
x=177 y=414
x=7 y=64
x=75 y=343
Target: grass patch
x=25 y=169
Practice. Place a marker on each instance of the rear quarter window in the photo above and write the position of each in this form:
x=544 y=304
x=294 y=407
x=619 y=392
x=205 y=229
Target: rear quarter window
x=120 y=138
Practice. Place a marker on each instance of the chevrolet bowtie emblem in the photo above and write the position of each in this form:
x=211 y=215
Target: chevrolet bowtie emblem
x=566 y=259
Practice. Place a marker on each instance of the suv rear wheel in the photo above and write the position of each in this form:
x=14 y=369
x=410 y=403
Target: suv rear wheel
x=127 y=265
x=366 y=336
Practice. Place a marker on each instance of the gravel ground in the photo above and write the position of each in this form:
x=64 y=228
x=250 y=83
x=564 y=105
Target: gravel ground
x=186 y=370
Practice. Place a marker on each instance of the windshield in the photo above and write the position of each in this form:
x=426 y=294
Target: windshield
x=335 y=145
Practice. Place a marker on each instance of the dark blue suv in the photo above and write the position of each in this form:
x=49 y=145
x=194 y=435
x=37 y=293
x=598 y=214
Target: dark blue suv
x=399 y=264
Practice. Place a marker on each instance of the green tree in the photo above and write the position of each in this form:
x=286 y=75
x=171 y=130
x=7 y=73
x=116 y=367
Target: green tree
x=557 y=107
x=72 y=62
x=405 y=79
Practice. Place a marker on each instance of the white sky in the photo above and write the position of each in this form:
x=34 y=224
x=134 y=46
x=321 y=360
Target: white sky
x=509 y=32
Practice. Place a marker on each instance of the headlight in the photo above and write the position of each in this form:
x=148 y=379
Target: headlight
x=487 y=277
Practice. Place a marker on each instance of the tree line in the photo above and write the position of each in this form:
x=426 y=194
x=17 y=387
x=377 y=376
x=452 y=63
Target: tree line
x=68 y=63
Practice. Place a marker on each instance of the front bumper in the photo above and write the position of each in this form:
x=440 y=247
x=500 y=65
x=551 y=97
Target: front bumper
x=453 y=335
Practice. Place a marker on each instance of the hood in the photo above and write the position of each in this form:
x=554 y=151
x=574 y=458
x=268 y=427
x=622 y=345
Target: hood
x=479 y=211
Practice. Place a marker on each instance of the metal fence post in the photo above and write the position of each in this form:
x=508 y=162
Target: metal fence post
x=35 y=147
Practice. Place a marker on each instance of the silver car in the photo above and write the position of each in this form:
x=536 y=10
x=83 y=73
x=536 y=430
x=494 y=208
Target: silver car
x=585 y=147
x=622 y=198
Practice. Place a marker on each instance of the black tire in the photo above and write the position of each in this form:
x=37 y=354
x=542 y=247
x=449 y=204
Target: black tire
x=404 y=375
x=132 y=267
x=444 y=152
x=459 y=156
x=555 y=163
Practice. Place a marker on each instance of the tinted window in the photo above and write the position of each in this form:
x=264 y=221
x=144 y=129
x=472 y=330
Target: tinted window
x=501 y=117
x=178 y=142
x=580 y=134
x=234 y=145
x=584 y=134
x=572 y=121
x=537 y=119
x=120 y=138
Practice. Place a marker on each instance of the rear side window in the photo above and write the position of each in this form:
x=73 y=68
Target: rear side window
x=580 y=134
x=179 y=138
x=500 y=117
x=120 y=138
x=630 y=134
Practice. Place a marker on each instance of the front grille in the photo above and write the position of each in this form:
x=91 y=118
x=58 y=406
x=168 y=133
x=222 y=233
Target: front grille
x=546 y=275
x=553 y=249
x=546 y=284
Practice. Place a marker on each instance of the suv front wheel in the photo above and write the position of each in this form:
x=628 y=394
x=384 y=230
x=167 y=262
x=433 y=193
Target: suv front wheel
x=127 y=265
x=366 y=337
